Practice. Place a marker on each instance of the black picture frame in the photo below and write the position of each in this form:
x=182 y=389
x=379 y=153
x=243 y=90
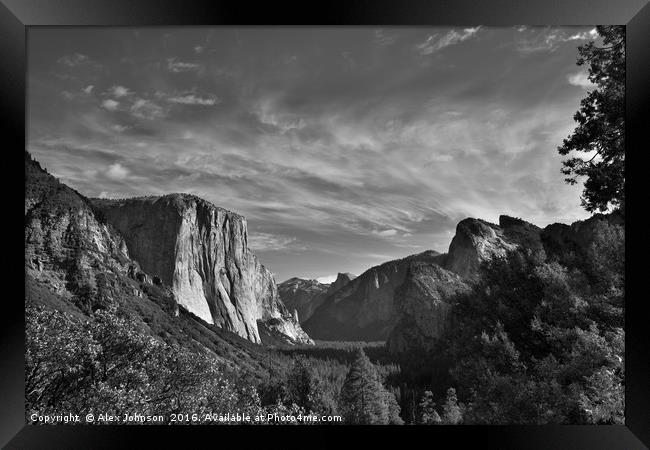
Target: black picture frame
x=16 y=16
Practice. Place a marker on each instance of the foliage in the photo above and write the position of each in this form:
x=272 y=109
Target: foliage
x=537 y=341
x=364 y=400
x=451 y=411
x=601 y=124
x=106 y=365
x=427 y=414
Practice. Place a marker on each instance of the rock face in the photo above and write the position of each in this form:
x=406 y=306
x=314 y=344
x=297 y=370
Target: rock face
x=407 y=301
x=341 y=280
x=422 y=305
x=306 y=295
x=303 y=296
x=183 y=251
x=73 y=255
x=201 y=252
x=477 y=241
x=363 y=309
x=562 y=239
x=422 y=302
x=64 y=241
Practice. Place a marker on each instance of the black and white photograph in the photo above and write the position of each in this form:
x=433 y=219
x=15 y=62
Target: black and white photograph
x=325 y=225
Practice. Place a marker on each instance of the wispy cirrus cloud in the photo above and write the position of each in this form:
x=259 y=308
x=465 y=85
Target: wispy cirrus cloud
x=75 y=59
x=342 y=148
x=192 y=99
x=271 y=242
x=147 y=109
x=547 y=39
x=437 y=41
x=176 y=66
x=382 y=38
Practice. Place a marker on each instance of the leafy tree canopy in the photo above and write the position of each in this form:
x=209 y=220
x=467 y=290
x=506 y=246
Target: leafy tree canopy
x=600 y=133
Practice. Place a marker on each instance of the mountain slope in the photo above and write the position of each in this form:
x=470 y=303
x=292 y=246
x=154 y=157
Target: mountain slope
x=363 y=309
x=425 y=297
x=76 y=260
x=302 y=296
x=423 y=305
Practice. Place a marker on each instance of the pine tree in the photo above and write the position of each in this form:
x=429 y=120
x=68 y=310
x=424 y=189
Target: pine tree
x=451 y=412
x=427 y=414
x=363 y=398
x=393 y=409
x=304 y=388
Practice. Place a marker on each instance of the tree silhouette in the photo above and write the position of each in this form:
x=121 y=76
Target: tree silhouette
x=601 y=125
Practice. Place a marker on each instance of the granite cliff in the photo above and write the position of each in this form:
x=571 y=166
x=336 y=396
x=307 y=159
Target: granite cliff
x=422 y=305
x=177 y=253
x=407 y=301
x=341 y=280
x=477 y=240
x=363 y=309
x=423 y=301
x=201 y=252
x=304 y=296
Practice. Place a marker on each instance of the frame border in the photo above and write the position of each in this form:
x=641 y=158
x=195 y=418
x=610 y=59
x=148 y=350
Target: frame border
x=16 y=16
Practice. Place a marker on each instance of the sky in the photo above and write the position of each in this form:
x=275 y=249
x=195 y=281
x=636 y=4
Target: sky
x=343 y=147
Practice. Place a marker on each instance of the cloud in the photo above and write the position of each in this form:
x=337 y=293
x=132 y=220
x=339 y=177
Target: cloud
x=192 y=99
x=199 y=49
x=443 y=157
x=119 y=91
x=383 y=39
x=270 y=242
x=591 y=34
x=534 y=39
x=73 y=60
x=385 y=233
x=580 y=79
x=435 y=42
x=173 y=65
x=117 y=172
x=110 y=104
x=120 y=128
x=88 y=89
x=146 y=109
x=357 y=166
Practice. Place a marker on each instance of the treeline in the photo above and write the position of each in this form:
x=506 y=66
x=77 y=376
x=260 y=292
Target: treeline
x=538 y=340
x=105 y=364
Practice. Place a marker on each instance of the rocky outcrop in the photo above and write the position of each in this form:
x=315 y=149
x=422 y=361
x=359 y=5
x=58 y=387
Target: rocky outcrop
x=363 y=309
x=341 y=280
x=477 y=241
x=306 y=295
x=72 y=254
x=303 y=296
x=183 y=251
x=574 y=240
x=65 y=243
x=201 y=252
x=423 y=303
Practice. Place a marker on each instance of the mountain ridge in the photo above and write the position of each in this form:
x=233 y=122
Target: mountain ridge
x=79 y=250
